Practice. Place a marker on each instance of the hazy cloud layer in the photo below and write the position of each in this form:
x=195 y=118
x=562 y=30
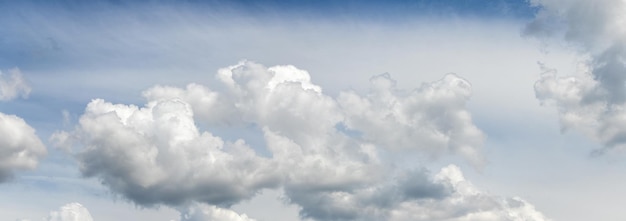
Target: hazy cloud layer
x=333 y=157
x=592 y=100
x=13 y=86
x=70 y=212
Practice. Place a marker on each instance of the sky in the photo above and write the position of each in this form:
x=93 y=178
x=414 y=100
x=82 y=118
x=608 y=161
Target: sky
x=285 y=110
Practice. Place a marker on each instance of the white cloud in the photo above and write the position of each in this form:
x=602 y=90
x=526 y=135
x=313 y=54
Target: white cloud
x=201 y=212
x=13 y=86
x=70 y=212
x=593 y=100
x=595 y=26
x=571 y=95
x=157 y=155
x=465 y=203
x=207 y=105
x=431 y=118
x=20 y=148
x=415 y=196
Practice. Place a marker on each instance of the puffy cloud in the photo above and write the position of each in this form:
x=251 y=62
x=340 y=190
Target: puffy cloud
x=20 y=148
x=579 y=108
x=155 y=154
x=70 y=212
x=207 y=105
x=431 y=118
x=413 y=195
x=201 y=212
x=592 y=100
x=466 y=203
x=281 y=98
x=596 y=26
x=13 y=86
x=571 y=95
x=329 y=172
x=299 y=126
x=333 y=157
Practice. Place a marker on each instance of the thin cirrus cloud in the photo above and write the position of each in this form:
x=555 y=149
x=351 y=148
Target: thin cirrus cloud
x=592 y=100
x=156 y=155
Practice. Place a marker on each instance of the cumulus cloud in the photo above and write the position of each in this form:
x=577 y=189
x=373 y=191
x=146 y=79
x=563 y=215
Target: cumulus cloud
x=592 y=100
x=155 y=154
x=430 y=118
x=70 y=212
x=207 y=105
x=465 y=202
x=333 y=157
x=202 y=212
x=20 y=148
x=415 y=196
x=13 y=86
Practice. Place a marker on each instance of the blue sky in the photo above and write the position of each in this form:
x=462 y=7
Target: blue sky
x=312 y=110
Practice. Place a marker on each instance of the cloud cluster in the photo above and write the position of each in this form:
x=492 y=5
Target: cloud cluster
x=13 y=86
x=70 y=212
x=333 y=157
x=594 y=99
x=20 y=148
